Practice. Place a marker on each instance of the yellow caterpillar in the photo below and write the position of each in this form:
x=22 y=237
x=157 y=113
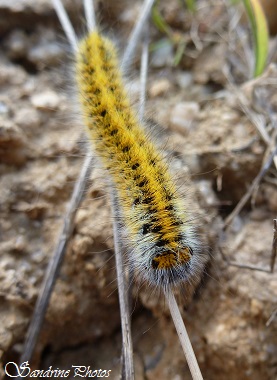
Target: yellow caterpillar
x=164 y=247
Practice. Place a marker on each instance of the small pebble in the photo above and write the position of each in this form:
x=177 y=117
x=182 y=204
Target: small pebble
x=47 y=100
x=11 y=134
x=184 y=79
x=4 y=110
x=271 y=197
x=46 y=54
x=256 y=307
x=163 y=56
x=205 y=188
x=259 y=214
x=12 y=75
x=27 y=118
x=182 y=116
x=17 y=44
x=159 y=87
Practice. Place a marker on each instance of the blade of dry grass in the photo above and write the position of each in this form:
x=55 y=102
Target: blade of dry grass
x=127 y=346
x=135 y=35
x=66 y=24
x=143 y=71
x=183 y=336
x=274 y=246
x=272 y=317
x=90 y=14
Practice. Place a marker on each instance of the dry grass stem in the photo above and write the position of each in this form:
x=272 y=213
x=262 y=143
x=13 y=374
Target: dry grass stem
x=183 y=336
x=127 y=345
x=135 y=35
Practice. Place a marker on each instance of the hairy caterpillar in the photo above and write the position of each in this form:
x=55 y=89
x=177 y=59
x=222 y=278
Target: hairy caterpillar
x=164 y=248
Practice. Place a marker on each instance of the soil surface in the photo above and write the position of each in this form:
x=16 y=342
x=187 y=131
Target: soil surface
x=215 y=123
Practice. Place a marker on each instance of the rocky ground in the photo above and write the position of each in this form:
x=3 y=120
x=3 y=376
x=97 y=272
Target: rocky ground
x=216 y=151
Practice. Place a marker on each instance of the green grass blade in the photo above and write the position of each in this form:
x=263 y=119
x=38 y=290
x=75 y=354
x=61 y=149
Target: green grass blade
x=191 y=5
x=180 y=52
x=260 y=31
x=159 y=21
